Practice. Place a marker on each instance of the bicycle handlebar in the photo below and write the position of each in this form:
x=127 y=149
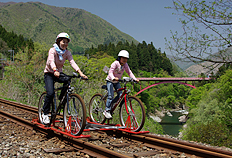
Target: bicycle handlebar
x=127 y=79
x=73 y=76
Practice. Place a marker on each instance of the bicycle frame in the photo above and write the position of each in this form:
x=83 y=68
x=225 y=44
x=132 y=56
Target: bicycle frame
x=57 y=89
x=124 y=95
x=68 y=91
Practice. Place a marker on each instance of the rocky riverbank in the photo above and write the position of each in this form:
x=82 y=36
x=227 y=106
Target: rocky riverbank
x=158 y=115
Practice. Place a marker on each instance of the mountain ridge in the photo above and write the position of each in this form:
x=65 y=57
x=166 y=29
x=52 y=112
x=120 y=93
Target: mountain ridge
x=42 y=23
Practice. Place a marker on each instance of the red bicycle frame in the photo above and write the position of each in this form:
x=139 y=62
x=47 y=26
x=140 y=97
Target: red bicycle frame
x=124 y=94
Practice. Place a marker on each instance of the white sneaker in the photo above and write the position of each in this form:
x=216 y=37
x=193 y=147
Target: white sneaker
x=107 y=114
x=46 y=119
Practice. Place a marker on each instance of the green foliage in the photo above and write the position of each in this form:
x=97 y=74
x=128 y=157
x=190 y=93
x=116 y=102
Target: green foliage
x=212 y=132
x=26 y=76
x=210 y=113
x=13 y=42
x=152 y=126
x=143 y=57
x=223 y=69
x=207 y=110
x=225 y=85
x=3 y=46
x=196 y=95
x=227 y=109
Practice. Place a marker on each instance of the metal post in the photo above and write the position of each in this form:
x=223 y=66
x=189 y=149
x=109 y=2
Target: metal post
x=12 y=51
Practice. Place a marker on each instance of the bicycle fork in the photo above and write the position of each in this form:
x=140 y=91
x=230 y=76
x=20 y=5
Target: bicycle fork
x=68 y=127
x=73 y=117
x=131 y=121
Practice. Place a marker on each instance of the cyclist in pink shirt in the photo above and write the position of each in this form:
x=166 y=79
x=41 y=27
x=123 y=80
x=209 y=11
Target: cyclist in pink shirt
x=55 y=61
x=115 y=73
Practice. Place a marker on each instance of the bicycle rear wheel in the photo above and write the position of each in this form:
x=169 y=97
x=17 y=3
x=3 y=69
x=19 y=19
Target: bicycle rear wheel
x=75 y=115
x=40 y=107
x=135 y=118
x=96 y=107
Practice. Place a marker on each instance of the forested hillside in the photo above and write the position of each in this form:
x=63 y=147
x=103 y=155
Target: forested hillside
x=144 y=57
x=14 y=41
x=42 y=23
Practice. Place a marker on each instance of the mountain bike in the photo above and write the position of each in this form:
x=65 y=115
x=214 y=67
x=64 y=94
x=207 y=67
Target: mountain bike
x=131 y=108
x=70 y=105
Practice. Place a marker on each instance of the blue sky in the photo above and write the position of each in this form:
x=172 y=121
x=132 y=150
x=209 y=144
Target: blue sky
x=145 y=20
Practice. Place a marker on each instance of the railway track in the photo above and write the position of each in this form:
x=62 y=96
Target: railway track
x=111 y=143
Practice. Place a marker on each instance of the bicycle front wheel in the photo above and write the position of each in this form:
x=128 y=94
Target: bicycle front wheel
x=75 y=115
x=132 y=114
x=96 y=107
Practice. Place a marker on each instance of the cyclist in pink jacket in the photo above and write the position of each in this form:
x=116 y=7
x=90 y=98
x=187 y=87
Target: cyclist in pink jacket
x=115 y=73
x=55 y=61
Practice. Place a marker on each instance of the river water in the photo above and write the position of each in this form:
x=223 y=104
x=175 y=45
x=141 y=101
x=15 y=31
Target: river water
x=171 y=124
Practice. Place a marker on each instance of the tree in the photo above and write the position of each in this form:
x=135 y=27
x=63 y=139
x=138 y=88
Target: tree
x=206 y=31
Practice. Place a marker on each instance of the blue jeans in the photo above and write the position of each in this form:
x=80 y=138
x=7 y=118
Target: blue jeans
x=49 y=80
x=110 y=89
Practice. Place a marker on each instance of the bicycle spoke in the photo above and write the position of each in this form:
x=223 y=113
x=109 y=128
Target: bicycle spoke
x=96 y=108
x=132 y=114
x=75 y=115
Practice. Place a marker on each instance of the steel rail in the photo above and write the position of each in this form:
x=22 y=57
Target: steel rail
x=189 y=148
x=82 y=146
x=22 y=106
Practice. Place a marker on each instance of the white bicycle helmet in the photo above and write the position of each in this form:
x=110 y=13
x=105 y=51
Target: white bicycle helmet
x=123 y=53
x=63 y=35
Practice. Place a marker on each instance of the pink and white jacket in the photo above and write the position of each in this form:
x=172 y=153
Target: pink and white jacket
x=53 y=61
x=116 y=70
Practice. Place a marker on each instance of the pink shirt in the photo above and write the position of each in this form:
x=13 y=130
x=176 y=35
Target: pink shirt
x=116 y=70
x=53 y=61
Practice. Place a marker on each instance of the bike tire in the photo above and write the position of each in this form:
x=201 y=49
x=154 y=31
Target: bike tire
x=96 y=108
x=75 y=115
x=136 y=118
x=40 y=107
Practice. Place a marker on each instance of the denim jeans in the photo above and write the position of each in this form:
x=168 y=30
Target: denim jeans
x=49 y=80
x=110 y=99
